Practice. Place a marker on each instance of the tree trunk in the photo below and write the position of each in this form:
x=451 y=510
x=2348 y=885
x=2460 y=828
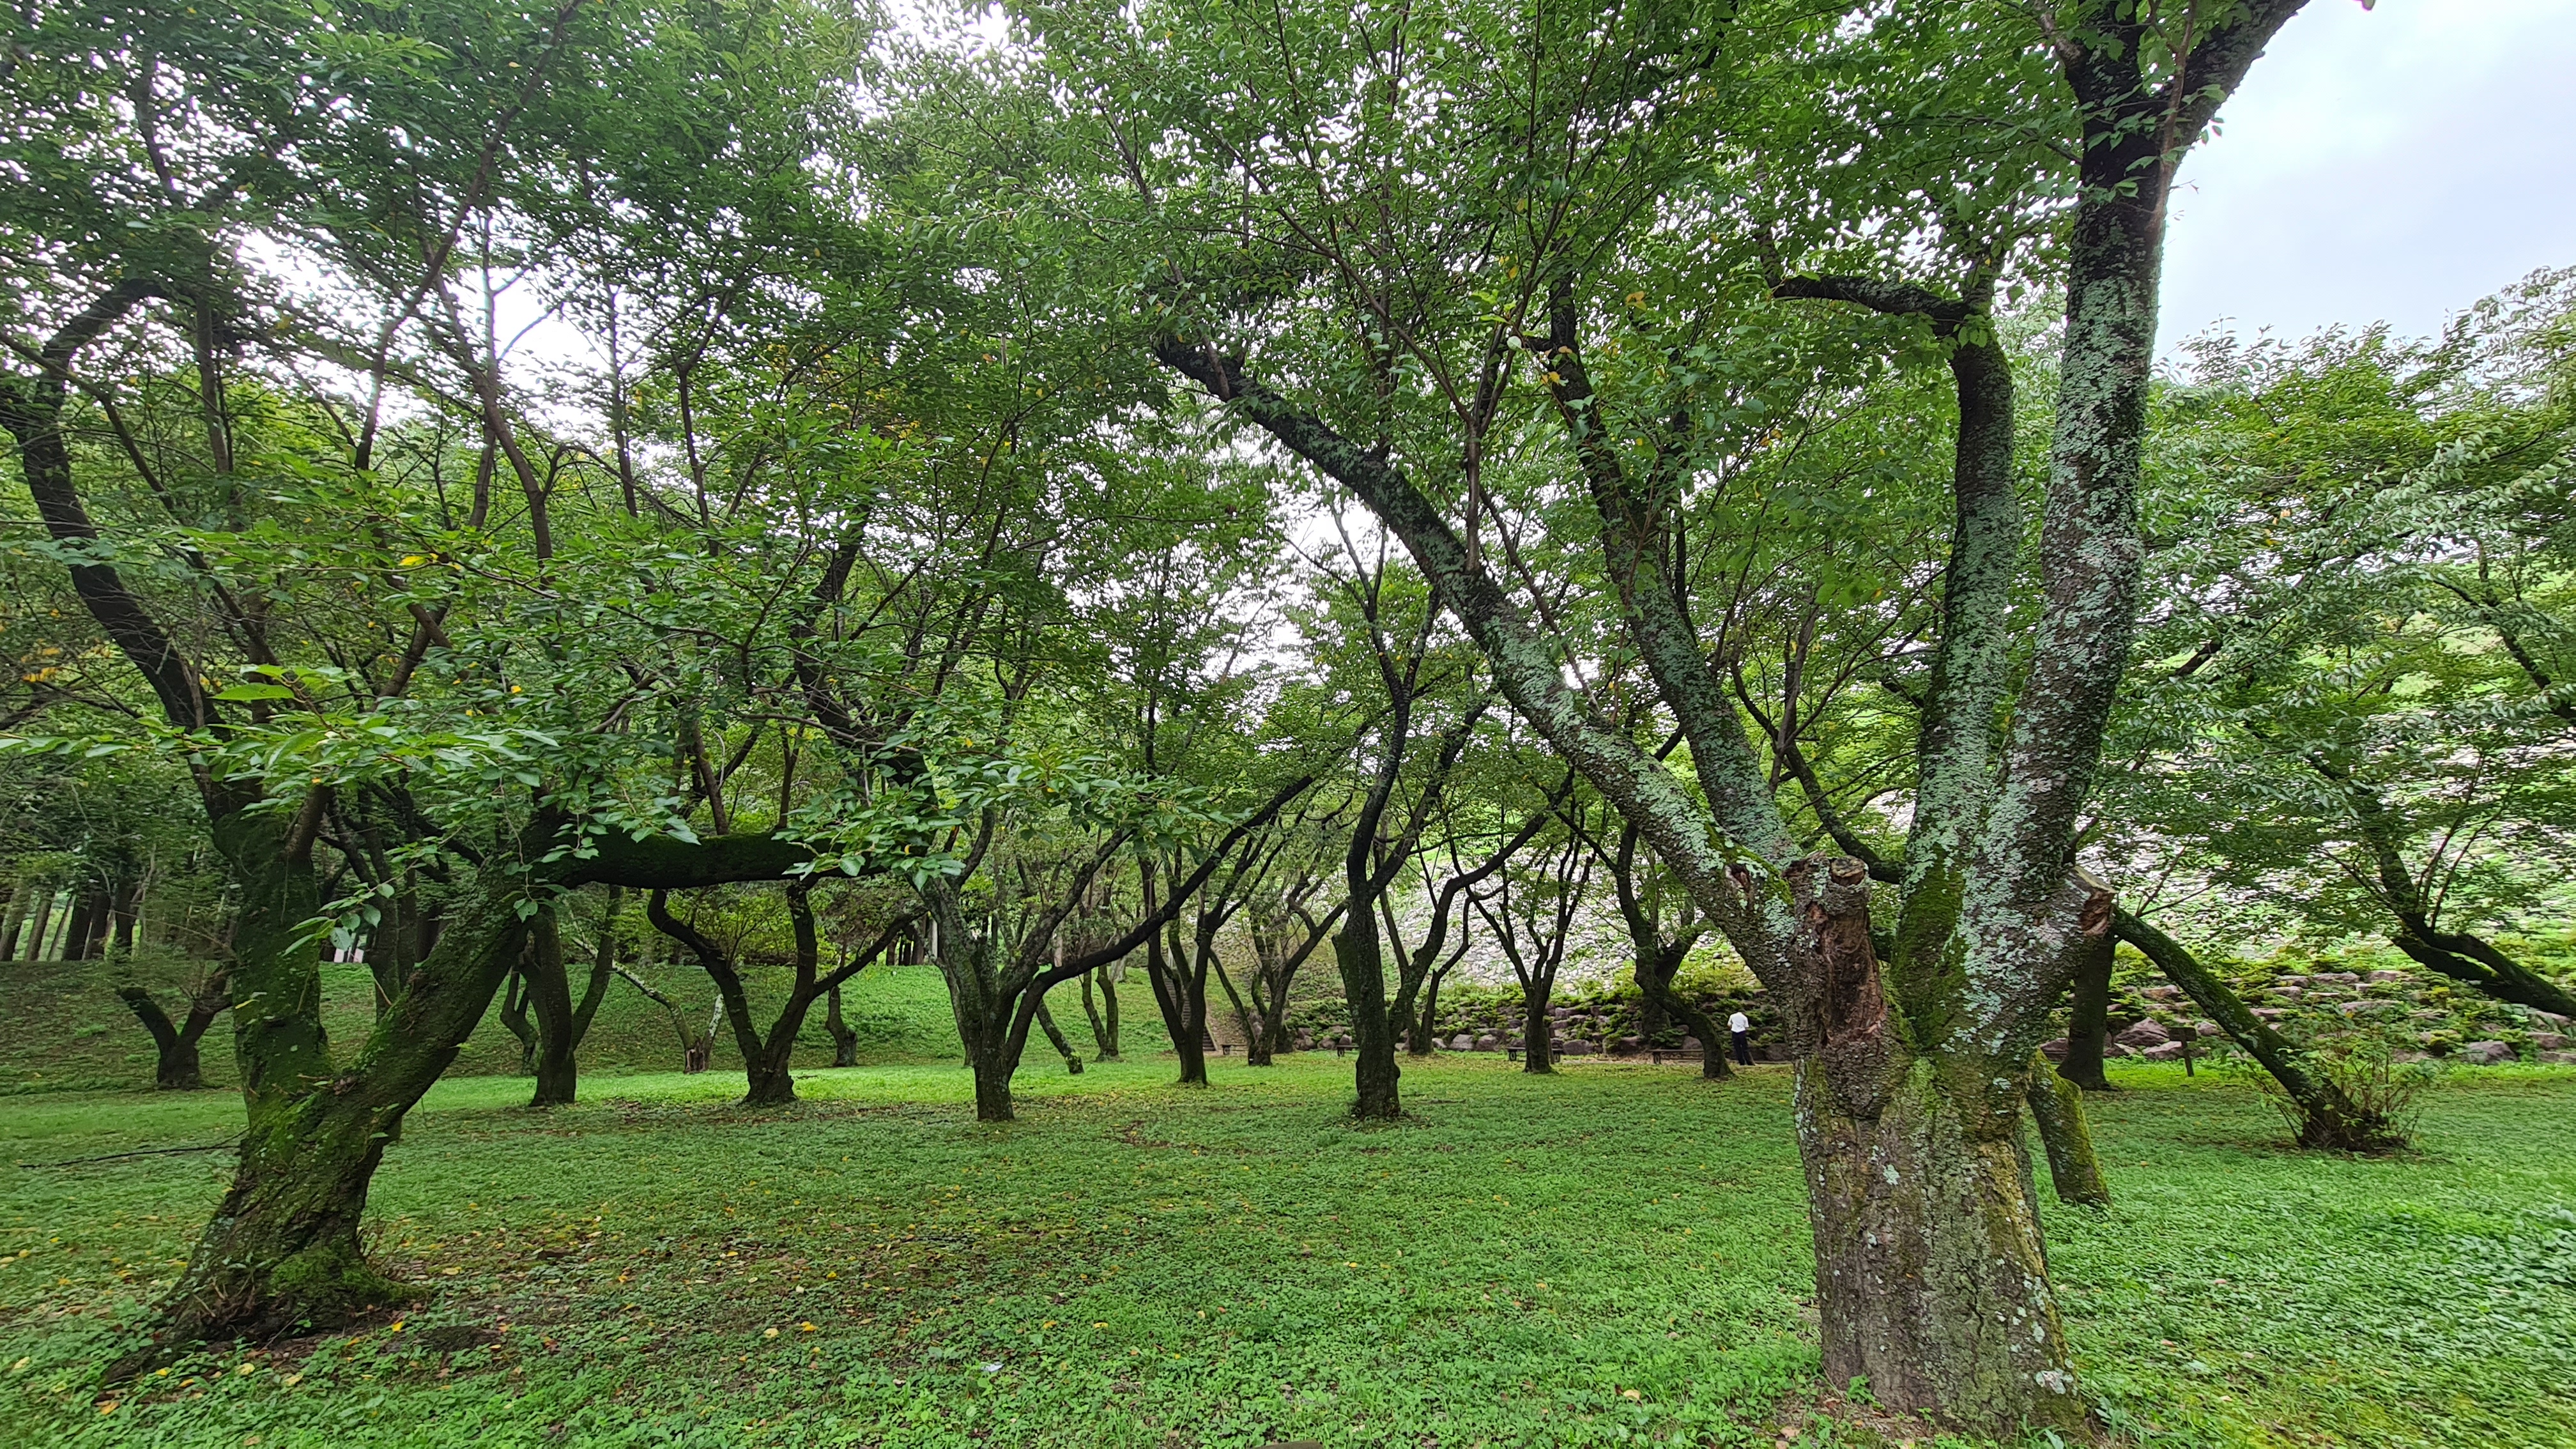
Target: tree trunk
x=513 y=1014
x=549 y=997
x=991 y=1058
x=282 y=1254
x=176 y=1067
x=44 y=914
x=1538 y=1033
x=845 y=1042
x=1930 y=1274
x=123 y=904
x=2088 y=1027
x=2467 y=958
x=1426 y=1024
x=77 y=933
x=2057 y=1108
x=1363 y=968
x=1170 y=979
x=1064 y=1048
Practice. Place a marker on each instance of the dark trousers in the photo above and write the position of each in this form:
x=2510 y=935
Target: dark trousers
x=1743 y=1049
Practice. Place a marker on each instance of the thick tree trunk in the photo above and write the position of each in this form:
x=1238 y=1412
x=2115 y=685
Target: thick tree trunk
x=1538 y=1034
x=1930 y=1274
x=992 y=1061
x=2088 y=1026
x=282 y=1253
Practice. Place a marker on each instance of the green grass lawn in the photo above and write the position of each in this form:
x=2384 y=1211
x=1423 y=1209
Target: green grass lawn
x=1613 y=1255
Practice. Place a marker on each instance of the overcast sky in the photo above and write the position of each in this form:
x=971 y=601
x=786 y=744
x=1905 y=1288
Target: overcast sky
x=2395 y=164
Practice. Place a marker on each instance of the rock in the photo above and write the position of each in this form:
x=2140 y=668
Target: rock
x=2161 y=993
x=1631 y=1043
x=2405 y=1058
x=1488 y=1042
x=2270 y=1013
x=2145 y=1034
x=2348 y=978
x=2387 y=978
x=2289 y=993
x=2551 y=1019
x=2547 y=1041
x=2055 y=1051
x=1462 y=1043
x=2114 y=1051
x=1690 y=1044
x=2559 y=1059
x=2289 y=981
x=2485 y=1053
x=2207 y=1028
x=2169 y=1052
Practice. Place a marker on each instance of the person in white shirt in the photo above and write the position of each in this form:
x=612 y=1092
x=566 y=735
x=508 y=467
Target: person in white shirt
x=1740 y=1027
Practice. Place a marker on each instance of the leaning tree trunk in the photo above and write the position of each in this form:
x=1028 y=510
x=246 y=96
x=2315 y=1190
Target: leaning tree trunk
x=2327 y=1117
x=1063 y=1045
x=2088 y=1026
x=282 y=1253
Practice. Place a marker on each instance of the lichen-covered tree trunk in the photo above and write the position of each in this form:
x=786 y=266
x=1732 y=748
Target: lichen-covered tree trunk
x=1930 y=1276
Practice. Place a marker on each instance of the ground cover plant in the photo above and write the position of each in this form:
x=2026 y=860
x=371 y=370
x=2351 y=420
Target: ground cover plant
x=1607 y=1256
